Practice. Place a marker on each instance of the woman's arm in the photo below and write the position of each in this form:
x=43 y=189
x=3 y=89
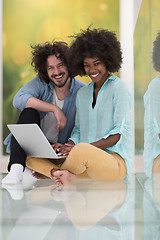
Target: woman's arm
x=108 y=142
x=102 y=144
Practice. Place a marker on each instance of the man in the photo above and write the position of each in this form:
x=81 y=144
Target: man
x=48 y=100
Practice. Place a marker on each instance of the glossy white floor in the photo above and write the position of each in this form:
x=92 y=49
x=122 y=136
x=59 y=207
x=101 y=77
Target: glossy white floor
x=38 y=209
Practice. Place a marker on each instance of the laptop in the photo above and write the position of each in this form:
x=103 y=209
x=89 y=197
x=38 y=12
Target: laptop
x=33 y=141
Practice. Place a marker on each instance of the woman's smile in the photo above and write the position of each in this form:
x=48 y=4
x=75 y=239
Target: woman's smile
x=96 y=70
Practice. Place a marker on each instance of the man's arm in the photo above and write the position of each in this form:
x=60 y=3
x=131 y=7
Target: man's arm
x=48 y=107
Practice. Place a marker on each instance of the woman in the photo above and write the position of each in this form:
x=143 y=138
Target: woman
x=100 y=146
x=151 y=154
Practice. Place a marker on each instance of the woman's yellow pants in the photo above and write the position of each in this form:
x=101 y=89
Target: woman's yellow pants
x=85 y=161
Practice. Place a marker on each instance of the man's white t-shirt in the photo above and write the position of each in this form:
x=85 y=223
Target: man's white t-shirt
x=49 y=122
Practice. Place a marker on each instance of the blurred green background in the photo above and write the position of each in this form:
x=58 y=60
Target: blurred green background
x=28 y=22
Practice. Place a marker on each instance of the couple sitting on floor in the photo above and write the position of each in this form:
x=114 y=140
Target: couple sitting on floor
x=91 y=123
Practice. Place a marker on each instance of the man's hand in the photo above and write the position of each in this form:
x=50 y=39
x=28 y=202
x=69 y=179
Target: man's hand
x=61 y=119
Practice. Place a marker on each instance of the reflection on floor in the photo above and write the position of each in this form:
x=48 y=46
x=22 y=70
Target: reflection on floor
x=151 y=206
x=38 y=209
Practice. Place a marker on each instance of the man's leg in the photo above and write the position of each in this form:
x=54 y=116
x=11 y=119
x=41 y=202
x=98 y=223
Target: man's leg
x=17 y=160
x=97 y=163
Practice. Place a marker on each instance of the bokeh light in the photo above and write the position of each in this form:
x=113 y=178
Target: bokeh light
x=54 y=28
x=21 y=53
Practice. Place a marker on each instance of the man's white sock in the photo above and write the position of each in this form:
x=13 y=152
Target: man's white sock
x=15 y=175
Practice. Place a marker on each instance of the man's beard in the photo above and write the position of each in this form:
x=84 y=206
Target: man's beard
x=60 y=85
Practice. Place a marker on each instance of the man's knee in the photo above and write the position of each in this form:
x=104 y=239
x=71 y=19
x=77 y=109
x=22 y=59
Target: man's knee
x=29 y=115
x=30 y=110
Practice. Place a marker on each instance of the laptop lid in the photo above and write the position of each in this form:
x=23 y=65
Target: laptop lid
x=33 y=141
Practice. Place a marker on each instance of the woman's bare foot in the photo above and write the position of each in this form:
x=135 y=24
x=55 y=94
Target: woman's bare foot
x=63 y=177
x=39 y=175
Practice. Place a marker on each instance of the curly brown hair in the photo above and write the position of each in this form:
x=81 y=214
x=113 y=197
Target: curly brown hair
x=100 y=43
x=156 y=53
x=41 y=52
